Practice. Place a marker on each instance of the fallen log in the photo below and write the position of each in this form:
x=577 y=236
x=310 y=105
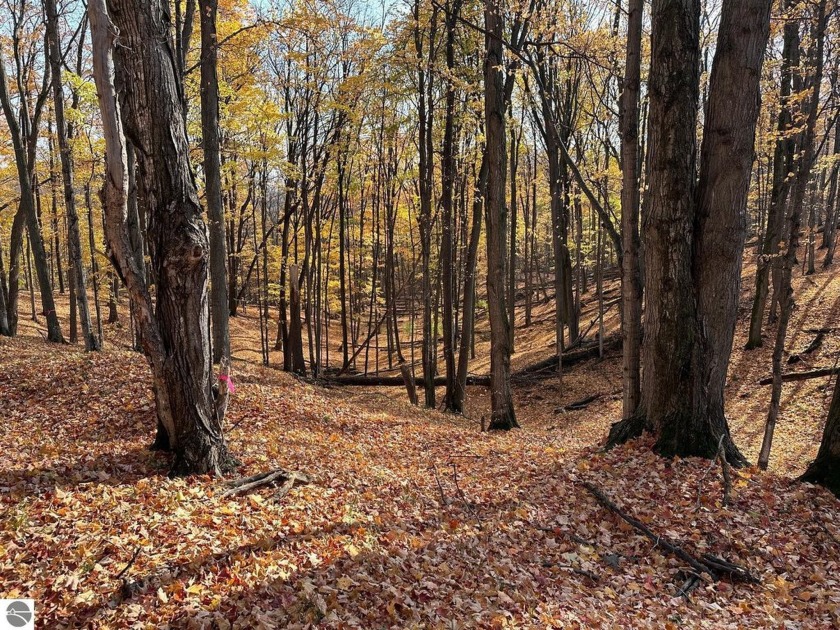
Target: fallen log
x=812 y=347
x=569 y=358
x=707 y=563
x=397 y=381
x=802 y=376
x=578 y=404
x=541 y=368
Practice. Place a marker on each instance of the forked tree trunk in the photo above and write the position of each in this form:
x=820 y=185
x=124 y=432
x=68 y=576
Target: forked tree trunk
x=177 y=336
x=694 y=244
x=725 y=169
x=502 y=412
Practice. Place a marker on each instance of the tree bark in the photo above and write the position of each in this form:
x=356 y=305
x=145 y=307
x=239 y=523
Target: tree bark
x=502 y=412
x=176 y=336
x=825 y=469
x=725 y=170
x=213 y=180
x=74 y=241
x=631 y=279
x=695 y=243
x=448 y=181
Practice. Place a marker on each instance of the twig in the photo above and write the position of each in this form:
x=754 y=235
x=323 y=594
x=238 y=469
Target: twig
x=584 y=572
x=130 y=562
x=724 y=466
x=440 y=487
x=464 y=497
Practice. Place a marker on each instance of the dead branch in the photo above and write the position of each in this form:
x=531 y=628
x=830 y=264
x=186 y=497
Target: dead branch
x=578 y=404
x=246 y=484
x=709 y=564
x=812 y=347
x=802 y=376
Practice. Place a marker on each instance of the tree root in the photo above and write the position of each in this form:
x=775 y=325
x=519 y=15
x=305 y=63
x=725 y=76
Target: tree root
x=625 y=430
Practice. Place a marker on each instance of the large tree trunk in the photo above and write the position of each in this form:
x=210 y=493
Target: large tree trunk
x=725 y=169
x=502 y=414
x=176 y=336
x=213 y=180
x=74 y=242
x=631 y=279
x=694 y=244
x=669 y=221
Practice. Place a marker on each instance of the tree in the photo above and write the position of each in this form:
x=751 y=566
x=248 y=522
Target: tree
x=788 y=255
x=783 y=165
x=24 y=141
x=213 y=180
x=74 y=241
x=503 y=416
x=175 y=335
x=631 y=277
x=825 y=469
x=694 y=234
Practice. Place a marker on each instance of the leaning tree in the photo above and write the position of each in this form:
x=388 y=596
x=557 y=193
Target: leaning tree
x=131 y=48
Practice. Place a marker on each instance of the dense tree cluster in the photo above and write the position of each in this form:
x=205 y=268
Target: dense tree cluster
x=367 y=177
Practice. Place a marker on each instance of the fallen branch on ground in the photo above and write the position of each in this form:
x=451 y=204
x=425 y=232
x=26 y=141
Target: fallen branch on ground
x=578 y=404
x=544 y=368
x=246 y=484
x=707 y=563
x=802 y=376
x=815 y=344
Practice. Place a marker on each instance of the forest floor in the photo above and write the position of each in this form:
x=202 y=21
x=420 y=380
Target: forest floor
x=413 y=519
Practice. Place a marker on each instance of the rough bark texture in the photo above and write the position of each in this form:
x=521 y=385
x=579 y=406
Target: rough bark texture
x=694 y=243
x=631 y=279
x=177 y=336
x=502 y=413
x=669 y=221
x=213 y=180
x=721 y=225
